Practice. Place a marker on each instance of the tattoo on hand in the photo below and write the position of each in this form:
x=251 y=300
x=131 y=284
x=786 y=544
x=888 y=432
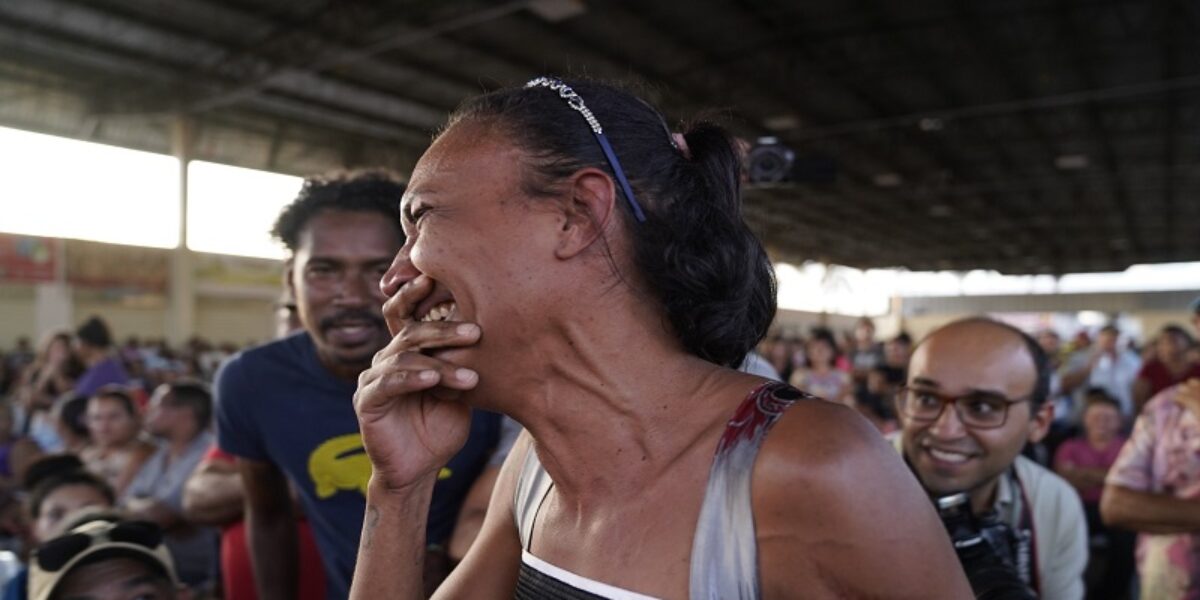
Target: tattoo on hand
x=372 y=523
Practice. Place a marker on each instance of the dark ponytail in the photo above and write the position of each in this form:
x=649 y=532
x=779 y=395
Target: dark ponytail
x=694 y=252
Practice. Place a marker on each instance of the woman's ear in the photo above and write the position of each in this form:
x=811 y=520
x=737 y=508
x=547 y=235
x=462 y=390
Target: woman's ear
x=586 y=211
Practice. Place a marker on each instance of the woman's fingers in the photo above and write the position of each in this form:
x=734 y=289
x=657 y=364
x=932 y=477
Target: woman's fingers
x=409 y=373
x=414 y=336
x=399 y=308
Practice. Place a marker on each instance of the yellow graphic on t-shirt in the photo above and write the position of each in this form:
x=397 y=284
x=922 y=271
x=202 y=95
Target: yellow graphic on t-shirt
x=340 y=464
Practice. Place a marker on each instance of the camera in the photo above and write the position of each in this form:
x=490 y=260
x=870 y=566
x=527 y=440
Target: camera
x=770 y=163
x=987 y=549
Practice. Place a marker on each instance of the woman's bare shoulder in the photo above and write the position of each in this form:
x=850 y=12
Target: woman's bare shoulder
x=828 y=487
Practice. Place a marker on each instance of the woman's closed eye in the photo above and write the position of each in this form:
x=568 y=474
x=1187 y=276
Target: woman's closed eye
x=414 y=215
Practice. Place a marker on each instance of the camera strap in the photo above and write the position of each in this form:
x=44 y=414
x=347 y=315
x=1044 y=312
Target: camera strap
x=1026 y=550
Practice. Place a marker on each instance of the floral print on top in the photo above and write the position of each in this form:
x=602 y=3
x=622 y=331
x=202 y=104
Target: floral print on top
x=1163 y=457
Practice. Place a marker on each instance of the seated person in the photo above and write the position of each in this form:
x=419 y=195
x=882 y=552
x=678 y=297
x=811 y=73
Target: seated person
x=16 y=452
x=875 y=398
x=68 y=421
x=60 y=488
x=117 y=450
x=105 y=560
x=820 y=375
x=1084 y=462
x=178 y=415
x=62 y=495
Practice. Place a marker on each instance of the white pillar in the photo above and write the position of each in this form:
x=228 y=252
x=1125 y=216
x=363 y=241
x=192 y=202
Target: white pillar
x=181 y=309
x=53 y=304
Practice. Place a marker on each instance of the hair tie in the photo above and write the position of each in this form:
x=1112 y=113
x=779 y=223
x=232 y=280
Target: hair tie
x=681 y=144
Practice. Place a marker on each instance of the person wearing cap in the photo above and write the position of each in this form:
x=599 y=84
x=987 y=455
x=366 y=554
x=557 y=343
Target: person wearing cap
x=94 y=346
x=59 y=490
x=105 y=560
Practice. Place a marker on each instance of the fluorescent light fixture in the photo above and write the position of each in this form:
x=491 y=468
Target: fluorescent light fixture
x=940 y=211
x=887 y=180
x=781 y=122
x=1071 y=162
x=931 y=124
x=557 y=10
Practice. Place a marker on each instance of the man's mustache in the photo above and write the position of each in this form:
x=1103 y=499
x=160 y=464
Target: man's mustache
x=351 y=316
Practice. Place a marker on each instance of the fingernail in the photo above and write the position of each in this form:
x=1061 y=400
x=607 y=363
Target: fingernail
x=427 y=375
x=466 y=329
x=465 y=374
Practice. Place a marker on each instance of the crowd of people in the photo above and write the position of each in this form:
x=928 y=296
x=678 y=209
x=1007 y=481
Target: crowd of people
x=541 y=368
x=1099 y=382
x=92 y=424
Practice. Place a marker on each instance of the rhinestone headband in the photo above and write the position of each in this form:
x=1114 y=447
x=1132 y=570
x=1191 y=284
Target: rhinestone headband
x=575 y=102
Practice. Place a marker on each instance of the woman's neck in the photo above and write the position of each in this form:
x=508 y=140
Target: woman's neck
x=611 y=411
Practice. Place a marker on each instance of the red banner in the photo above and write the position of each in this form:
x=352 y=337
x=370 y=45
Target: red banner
x=27 y=258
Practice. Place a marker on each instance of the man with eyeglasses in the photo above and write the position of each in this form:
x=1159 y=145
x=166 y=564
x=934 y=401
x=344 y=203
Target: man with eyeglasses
x=975 y=395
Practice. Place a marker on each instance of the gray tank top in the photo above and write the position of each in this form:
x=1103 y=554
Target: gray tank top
x=724 y=563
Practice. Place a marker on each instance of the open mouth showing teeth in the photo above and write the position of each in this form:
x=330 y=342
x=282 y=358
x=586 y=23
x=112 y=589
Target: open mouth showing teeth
x=441 y=312
x=950 y=457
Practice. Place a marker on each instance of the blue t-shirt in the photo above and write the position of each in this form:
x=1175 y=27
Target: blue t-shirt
x=276 y=403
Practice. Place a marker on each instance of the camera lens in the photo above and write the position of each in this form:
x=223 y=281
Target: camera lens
x=770 y=163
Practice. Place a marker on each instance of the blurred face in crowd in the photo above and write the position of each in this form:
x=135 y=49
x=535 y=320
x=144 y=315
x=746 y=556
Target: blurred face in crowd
x=116 y=578
x=163 y=417
x=1050 y=342
x=110 y=422
x=864 y=333
x=58 y=350
x=820 y=352
x=1193 y=354
x=877 y=382
x=64 y=501
x=1106 y=340
x=1101 y=421
x=957 y=360
x=1171 y=346
x=896 y=352
x=334 y=278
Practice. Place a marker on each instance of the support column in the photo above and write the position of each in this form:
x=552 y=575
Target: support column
x=181 y=308
x=53 y=303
